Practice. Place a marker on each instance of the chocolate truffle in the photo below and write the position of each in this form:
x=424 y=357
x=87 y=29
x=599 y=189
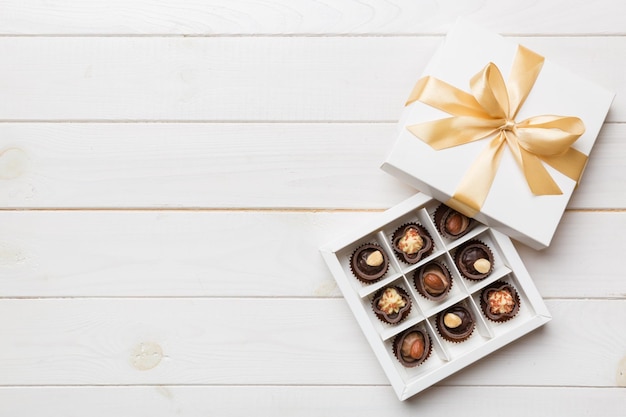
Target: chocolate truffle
x=474 y=260
x=412 y=347
x=455 y=324
x=411 y=242
x=452 y=224
x=391 y=304
x=499 y=301
x=433 y=281
x=369 y=263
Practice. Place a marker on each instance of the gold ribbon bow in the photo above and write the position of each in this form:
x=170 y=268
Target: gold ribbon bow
x=492 y=109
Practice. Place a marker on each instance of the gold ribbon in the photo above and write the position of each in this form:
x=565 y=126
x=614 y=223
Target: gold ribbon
x=492 y=108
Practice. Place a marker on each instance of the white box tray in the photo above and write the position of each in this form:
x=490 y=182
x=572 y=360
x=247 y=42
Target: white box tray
x=446 y=357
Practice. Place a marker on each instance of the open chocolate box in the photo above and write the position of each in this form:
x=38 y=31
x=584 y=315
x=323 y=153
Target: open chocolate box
x=442 y=357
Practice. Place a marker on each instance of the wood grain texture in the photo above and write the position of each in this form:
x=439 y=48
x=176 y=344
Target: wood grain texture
x=198 y=165
x=199 y=254
x=248 y=79
x=308 y=17
x=271 y=341
x=226 y=165
x=311 y=401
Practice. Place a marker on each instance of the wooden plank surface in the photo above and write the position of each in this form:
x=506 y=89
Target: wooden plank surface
x=271 y=341
x=168 y=171
x=303 y=17
x=199 y=253
x=248 y=78
x=226 y=165
x=368 y=401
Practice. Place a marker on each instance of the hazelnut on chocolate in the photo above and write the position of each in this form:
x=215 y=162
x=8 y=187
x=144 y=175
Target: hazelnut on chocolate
x=452 y=321
x=374 y=259
x=369 y=263
x=474 y=260
x=456 y=323
x=482 y=265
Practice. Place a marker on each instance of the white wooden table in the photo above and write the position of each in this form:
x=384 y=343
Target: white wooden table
x=168 y=171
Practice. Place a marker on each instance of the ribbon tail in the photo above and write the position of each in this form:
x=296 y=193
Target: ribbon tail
x=572 y=163
x=537 y=176
x=476 y=183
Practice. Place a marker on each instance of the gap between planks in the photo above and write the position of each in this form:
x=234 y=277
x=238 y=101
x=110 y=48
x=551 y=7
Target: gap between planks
x=300 y=35
x=203 y=121
x=245 y=297
x=291 y=386
x=253 y=209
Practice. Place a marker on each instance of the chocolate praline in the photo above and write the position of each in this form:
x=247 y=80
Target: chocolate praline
x=411 y=243
x=391 y=304
x=369 y=263
x=499 y=301
x=455 y=324
x=474 y=260
x=450 y=223
x=412 y=347
x=433 y=281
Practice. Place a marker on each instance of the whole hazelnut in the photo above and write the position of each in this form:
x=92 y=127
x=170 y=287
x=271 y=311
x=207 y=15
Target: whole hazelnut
x=452 y=321
x=482 y=265
x=375 y=259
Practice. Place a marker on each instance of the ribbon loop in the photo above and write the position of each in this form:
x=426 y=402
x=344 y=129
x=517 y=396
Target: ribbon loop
x=490 y=91
x=491 y=109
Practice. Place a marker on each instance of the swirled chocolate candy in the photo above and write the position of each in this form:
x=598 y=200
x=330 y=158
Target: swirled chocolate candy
x=499 y=301
x=474 y=260
x=455 y=324
x=412 y=347
x=369 y=263
x=452 y=224
x=391 y=304
x=433 y=280
x=411 y=242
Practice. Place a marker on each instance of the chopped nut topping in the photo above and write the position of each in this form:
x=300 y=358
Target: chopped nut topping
x=374 y=259
x=411 y=242
x=391 y=302
x=482 y=266
x=501 y=302
x=452 y=321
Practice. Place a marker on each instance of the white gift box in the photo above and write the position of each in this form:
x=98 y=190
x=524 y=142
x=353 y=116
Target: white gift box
x=510 y=210
x=446 y=357
x=510 y=206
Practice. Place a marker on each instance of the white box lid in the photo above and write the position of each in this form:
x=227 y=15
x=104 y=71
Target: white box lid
x=510 y=207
